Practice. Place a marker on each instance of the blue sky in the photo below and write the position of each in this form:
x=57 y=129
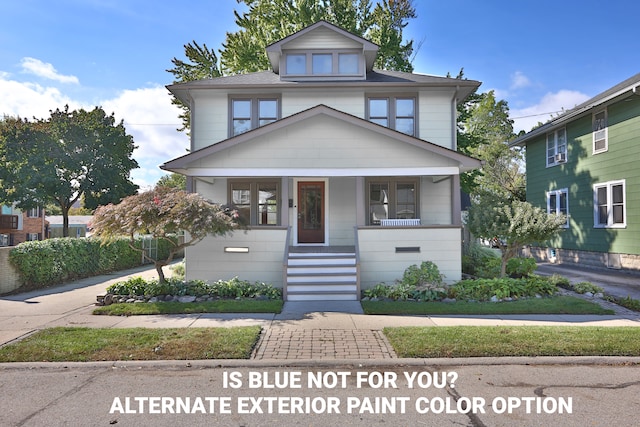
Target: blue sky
x=540 y=56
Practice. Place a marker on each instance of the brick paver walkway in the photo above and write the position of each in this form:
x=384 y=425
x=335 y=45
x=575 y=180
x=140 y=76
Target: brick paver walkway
x=316 y=344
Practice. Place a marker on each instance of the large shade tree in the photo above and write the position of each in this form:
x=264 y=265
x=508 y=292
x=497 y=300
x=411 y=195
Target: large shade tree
x=162 y=213
x=69 y=156
x=267 y=21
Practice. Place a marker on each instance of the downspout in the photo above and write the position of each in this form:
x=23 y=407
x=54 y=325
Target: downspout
x=456 y=219
x=454 y=119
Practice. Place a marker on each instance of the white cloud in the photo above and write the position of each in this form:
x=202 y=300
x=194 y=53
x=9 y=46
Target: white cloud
x=519 y=80
x=548 y=107
x=28 y=100
x=44 y=69
x=152 y=120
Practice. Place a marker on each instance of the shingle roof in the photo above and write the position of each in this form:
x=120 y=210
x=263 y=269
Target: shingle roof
x=269 y=79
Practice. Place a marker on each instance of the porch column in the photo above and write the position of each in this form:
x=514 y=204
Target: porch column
x=361 y=215
x=456 y=203
x=284 y=201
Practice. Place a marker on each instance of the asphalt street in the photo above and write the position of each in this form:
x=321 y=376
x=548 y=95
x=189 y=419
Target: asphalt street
x=426 y=393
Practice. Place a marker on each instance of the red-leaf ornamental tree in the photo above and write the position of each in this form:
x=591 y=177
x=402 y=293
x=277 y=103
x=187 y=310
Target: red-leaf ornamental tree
x=161 y=213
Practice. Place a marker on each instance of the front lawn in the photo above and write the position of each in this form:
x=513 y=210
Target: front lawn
x=500 y=341
x=92 y=344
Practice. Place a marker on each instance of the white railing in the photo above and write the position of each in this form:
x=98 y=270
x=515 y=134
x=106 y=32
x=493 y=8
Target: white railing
x=399 y=222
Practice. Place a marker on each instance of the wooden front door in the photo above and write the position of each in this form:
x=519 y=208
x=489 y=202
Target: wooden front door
x=311 y=212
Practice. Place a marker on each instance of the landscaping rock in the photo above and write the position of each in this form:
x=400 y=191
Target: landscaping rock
x=494 y=299
x=187 y=298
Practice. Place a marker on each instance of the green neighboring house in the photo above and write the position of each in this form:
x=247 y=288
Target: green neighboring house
x=584 y=163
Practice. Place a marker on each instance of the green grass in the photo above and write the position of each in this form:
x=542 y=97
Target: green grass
x=499 y=341
x=554 y=305
x=92 y=344
x=219 y=306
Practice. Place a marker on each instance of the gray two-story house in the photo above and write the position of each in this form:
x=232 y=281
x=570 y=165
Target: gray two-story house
x=583 y=164
x=346 y=175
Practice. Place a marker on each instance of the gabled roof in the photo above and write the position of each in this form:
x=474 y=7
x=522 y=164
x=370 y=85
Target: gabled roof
x=274 y=51
x=181 y=164
x=629 y=86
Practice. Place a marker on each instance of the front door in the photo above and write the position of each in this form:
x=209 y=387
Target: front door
x=311 y=212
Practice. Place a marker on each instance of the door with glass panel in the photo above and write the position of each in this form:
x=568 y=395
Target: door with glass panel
x=311 y=226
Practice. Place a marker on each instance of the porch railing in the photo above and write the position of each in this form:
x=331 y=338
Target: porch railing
x=399 y=222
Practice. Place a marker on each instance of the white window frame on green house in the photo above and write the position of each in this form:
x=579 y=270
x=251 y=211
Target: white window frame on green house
x=610 y=204
x=556 y=147
x=600 y=132
x=555 y=205
x=393 y=117
x=257 y=114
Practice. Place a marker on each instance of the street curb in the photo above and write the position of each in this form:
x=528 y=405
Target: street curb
x=320 y=364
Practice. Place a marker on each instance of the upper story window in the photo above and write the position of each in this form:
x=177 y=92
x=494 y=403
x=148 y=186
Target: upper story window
x=558 y=203
x=397 y=113
x=326 y=64
x=600 y=132
x=249 y=113
x=609 y=205
x=34 y=213
x=557 y=147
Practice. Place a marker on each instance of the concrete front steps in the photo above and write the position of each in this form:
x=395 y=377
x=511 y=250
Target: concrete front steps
x=322 y=276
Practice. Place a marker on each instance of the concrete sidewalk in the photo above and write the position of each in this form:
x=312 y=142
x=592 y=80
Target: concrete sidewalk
x=321 y=330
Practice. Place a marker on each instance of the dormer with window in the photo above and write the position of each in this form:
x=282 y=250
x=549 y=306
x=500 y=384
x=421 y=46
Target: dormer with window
x=322 y=52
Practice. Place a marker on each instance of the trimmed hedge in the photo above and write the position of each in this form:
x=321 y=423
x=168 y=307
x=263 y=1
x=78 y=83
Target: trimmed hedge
x=53 y=261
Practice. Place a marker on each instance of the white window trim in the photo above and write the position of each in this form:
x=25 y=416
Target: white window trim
x=606 y=132
x=608 y=186
x=557 y=207
x=555 y=147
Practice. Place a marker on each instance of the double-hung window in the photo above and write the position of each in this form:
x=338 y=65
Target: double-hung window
x=249 y=113
x=256 y=201
x=392 y=198
x=34 y=213
x=557 y=147
x=558 y=203
x=600 y=133
x=609 y=205
x=397 y=113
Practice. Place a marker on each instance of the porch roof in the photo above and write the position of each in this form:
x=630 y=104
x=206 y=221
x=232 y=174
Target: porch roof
x=322 y=141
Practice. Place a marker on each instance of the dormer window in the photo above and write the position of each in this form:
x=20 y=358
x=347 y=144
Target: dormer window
x=323 y=64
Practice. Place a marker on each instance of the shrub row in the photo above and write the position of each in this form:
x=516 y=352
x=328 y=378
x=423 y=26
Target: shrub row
x=49 y=262
x=234 y=288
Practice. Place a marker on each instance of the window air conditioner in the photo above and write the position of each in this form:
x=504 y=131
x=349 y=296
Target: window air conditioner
x=561 y=157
